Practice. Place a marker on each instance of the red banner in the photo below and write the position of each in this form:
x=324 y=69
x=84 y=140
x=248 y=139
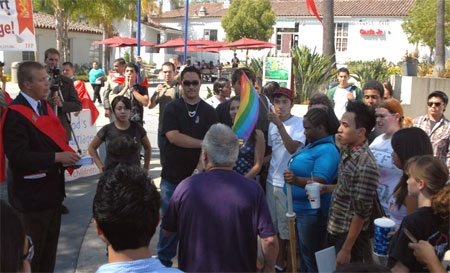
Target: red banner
x=312 y=9
x=25 y=15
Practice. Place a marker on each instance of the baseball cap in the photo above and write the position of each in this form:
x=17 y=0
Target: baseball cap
x=283 y=91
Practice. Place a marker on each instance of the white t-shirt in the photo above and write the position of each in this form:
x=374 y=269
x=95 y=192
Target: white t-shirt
x=280 y=156
x=340 y=100
x=389 y=174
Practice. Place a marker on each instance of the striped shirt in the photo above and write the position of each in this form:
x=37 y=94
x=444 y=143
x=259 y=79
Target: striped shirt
x=439 y=136
x=357 y=183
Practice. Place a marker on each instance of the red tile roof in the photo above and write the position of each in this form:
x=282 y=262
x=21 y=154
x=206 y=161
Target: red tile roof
x=47 y=21
x=297 y=8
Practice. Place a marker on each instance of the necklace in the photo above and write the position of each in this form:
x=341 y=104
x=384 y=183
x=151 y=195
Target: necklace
x=191 y=114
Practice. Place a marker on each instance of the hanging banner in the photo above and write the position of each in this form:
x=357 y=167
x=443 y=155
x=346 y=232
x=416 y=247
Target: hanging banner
x=16 y=26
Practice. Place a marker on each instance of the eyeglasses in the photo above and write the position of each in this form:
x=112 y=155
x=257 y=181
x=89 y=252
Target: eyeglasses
x=431 y=103
x=30 y=253
x=193 y=83
x=384 y=116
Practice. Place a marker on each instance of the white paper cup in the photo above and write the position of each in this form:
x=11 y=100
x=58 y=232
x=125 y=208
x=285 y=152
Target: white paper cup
x=383 y=228
x=313 y=191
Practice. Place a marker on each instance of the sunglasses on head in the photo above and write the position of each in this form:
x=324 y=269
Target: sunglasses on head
x=193 y=83
x=431 y=103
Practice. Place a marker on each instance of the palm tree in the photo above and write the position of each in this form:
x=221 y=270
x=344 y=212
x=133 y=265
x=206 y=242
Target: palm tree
x=328 y=29
x=62 y=10
x=102 y=14
x=439 y=59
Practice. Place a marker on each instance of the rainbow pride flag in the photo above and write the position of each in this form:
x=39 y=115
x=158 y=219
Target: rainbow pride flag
x=247 y=115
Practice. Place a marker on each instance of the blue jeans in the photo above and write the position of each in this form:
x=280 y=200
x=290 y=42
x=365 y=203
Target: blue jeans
x=167 y=246
x=311 y=234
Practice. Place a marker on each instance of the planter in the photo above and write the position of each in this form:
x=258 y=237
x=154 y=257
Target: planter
x=409 y=68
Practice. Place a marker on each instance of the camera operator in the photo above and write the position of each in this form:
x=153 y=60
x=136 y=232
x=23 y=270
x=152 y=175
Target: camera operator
x=63 y=94
x=63 y=97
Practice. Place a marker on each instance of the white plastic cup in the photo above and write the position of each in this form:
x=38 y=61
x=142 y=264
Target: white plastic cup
x=313 y=191
x=382 y=235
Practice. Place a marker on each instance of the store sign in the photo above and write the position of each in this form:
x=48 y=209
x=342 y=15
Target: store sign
x=371 y=32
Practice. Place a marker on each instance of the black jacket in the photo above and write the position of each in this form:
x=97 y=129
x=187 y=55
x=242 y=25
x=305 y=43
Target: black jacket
x=30 y=152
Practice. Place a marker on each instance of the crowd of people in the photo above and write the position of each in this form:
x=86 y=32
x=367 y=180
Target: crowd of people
x=219 y=194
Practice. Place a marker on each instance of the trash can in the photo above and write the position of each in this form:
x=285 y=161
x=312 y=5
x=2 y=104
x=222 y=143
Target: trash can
x=14 y=67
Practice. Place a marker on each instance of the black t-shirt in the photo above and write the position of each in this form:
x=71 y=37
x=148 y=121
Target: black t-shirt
x=137 y=109
x=179 y=162
x=424 y=225
x=110 y=132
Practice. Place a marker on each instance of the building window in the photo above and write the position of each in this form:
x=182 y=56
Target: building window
x=210 y=34
x=278 y=41
x=341 y=37
x=28 y=55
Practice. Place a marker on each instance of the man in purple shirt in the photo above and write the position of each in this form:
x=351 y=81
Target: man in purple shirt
x=218 y=214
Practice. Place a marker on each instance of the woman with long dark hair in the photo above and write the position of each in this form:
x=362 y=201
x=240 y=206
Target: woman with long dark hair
x=122 y=131
x=406 y=143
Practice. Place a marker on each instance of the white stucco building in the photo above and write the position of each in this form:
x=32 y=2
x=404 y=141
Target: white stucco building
x=364 y=29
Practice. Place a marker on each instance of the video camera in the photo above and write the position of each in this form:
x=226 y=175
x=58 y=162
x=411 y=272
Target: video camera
x=56 y=79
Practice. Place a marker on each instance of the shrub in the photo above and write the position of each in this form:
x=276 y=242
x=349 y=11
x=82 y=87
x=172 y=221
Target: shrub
x=311 y=70
x=364 y=71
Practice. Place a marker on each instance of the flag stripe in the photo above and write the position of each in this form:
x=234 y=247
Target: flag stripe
x=248 y=111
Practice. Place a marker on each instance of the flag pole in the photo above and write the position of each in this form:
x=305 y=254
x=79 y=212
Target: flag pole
x=291 y=220
x=186 y=19
x=138 y=39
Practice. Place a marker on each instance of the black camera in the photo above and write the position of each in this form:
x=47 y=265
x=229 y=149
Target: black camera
x=56 y=79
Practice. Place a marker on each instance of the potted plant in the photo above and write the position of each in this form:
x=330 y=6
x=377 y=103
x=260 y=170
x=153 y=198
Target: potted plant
x=409 y=65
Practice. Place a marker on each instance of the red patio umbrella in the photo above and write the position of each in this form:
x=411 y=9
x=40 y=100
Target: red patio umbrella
x=197 y=49
x=179 y=42
x=260 y=46
x=117 y=41
x=244 y=42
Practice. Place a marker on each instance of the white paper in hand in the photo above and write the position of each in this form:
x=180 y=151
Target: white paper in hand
x=326 y=260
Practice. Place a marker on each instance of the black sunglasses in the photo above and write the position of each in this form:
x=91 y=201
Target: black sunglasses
x=430 y=104
x=193 y=83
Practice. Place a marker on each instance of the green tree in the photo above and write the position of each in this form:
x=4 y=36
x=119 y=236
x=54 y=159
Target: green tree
x=249 y=18
x=62 y=10
x=420 y=24
x=102 y=14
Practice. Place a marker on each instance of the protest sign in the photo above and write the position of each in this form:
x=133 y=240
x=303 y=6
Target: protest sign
x=16 y=26
x=84 y=131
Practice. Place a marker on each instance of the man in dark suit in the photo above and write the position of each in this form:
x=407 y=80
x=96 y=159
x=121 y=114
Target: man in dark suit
x=35 y=145
x=69 y=102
